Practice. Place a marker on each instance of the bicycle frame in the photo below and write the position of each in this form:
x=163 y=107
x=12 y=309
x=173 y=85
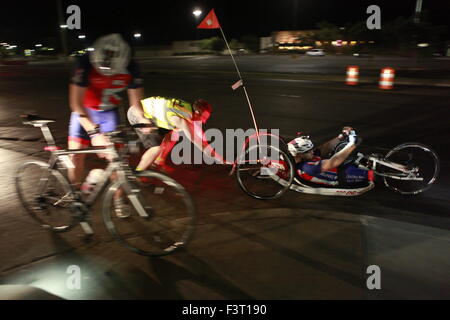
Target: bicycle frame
x=116 y=165
x=410 y=174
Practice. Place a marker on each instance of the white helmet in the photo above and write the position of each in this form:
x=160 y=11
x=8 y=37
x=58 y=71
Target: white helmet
x=111 y=55
x=300 y=145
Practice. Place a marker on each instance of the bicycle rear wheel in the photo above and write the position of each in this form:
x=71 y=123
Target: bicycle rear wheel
x=46 y=195
x=167 y=223
x=265 y=172
x=412 y=155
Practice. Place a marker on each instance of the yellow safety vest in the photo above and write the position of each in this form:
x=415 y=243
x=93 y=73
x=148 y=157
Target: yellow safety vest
x=160 y=109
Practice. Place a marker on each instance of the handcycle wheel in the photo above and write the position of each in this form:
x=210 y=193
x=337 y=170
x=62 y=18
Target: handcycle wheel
x=169 y=215
x=264 y=172
x=46 y=195
x=412 y=155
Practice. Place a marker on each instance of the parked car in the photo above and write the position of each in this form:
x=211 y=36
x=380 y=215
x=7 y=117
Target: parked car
x=315 y=52
x=362 y=55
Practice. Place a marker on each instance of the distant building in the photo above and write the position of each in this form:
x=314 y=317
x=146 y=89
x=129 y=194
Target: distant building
x=301 y=40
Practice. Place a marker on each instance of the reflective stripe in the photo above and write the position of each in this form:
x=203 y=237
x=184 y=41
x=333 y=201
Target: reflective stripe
x=160 y=109
x=352 y=73
x=387 y=75
x=386 y=83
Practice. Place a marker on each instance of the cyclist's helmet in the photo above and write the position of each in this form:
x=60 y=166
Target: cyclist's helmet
x=300 y=145
x=203 y=109
x=111 y=55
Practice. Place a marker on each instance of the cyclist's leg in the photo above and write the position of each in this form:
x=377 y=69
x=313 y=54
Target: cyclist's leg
x=148 y=158
x=169 y=141
x=355 y=175
x=78 y=139
x=153 y=142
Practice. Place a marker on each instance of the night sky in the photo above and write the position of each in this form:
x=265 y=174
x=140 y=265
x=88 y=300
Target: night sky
x=160 y=22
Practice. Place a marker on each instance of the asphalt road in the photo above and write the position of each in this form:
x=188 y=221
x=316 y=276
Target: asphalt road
x=302 y=64
x=297 y=247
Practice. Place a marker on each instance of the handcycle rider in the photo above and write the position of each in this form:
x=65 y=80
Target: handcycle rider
x=311 y=168
x=96 y=80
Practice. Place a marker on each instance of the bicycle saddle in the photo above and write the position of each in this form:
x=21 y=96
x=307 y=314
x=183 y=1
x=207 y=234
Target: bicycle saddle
x=34 y=119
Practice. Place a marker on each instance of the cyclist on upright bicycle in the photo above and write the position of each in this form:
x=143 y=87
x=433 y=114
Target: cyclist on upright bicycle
x=96 y=80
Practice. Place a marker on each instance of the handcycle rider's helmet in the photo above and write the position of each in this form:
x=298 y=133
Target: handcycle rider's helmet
x=111 y=55
x=202 y=110
x=300 y=145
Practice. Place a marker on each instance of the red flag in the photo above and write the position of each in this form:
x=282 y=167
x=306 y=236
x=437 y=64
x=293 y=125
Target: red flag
x=210 y=21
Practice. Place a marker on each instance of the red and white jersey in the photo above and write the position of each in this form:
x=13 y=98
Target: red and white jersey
x=102 y=91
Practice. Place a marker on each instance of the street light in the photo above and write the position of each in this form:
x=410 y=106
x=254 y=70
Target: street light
x=63 y=26
x=38 y=45
x=81 y=36
x=137 y=35
x=196 y=13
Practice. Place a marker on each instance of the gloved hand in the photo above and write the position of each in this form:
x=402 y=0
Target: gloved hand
x=353 y=138
x=345 y=132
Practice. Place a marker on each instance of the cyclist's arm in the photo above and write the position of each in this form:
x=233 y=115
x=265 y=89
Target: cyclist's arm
x=195 y=137
x=134 y=98
x=336 y=160
x=76 y=95
x=328 y=147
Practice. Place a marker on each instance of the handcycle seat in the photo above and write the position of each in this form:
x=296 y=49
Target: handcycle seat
x=350 y=186
x=35 y=120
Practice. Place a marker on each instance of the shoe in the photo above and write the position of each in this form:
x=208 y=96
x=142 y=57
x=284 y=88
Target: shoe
x=121 y=209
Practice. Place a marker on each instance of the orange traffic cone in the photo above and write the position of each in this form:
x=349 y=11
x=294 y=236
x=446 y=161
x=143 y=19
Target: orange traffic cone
x=387 y=76
x=352 y=75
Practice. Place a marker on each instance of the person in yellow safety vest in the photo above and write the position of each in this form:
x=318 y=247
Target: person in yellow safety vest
x=170 y=115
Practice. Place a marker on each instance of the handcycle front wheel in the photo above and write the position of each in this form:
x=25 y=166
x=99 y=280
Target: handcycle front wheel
x=264 y=172
x=167 y=222
x=412 y=155
x=46 y=195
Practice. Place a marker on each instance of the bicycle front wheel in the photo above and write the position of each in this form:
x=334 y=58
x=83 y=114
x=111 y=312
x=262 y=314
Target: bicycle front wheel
x=265 y=172
x=414 y=156
x=160 y=214
x=46 y=195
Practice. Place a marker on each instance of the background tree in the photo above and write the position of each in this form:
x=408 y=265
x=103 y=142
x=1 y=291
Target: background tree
x=250 y=42
x=215 y=44
x=236 y=45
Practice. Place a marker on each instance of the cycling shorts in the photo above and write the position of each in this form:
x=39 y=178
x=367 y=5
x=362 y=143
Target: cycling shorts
x=153 y=139
x=107 y=120
x=310 y=171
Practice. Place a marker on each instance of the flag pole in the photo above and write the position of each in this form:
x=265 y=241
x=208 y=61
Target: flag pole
x=243 y=86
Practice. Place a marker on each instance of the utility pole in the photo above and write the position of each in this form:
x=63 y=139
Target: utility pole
x=418 y=11
x=62 y=30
